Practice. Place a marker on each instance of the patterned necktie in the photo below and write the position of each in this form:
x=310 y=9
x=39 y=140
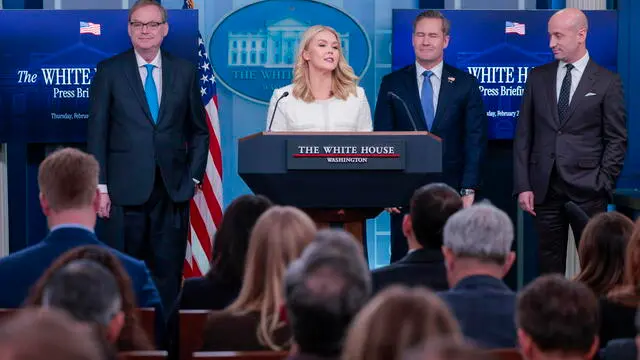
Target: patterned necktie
x=426 y=99
x=565 y=92
x=151 y=92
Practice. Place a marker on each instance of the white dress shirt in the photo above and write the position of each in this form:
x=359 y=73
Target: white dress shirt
x=157 y=72
x=333 y=114
x=436 y=80
x=576 y=75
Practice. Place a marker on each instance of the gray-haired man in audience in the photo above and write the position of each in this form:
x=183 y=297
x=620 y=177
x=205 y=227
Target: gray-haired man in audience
x=90 y=293
x=324 y=289
x=477 y=252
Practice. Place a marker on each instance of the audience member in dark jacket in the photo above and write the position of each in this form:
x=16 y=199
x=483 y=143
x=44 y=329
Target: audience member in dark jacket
x=221 y=285
x=324 y=290
x=619 y=308
x=557 y=319
x=431 y=206
x=477 y=251
x=602 y=250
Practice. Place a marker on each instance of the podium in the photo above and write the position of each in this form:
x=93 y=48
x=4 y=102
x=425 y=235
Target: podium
x=340 y=178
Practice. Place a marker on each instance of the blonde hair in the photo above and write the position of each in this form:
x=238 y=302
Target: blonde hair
x=398 y=319
x=344 y=79
x=68 y=179
x=278 y=238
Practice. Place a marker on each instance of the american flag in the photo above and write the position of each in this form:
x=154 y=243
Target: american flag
x=511 y=27
x=206 y=206
x=89 y=28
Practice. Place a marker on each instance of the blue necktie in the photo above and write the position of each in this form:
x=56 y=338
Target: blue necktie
x=151 y=92
x=426 y=99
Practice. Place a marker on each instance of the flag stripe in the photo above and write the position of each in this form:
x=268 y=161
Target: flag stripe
x=206 y=205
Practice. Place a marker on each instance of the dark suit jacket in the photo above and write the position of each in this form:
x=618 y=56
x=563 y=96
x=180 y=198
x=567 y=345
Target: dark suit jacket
x=617 y=321
x=206 y=293
x=588 y=148
x=129 y=146
x=620 y=349
x=423 y=267
x=21 y=270
x=460 y=120
x=485 y=309
x=225 y=331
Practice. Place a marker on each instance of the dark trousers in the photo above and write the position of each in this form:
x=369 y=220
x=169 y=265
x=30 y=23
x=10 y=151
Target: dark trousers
x=399 y=246
x=156 y=232
x=552 y=224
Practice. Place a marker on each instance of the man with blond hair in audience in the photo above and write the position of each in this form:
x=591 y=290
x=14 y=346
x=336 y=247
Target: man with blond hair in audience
x=477 y=253
x=68 y=181
x=557 y=319
x=324 y=290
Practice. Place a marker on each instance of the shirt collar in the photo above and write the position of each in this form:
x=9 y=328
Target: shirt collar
x=436 y=70
x=157 y=61
x=579 y=65
x=71 y=226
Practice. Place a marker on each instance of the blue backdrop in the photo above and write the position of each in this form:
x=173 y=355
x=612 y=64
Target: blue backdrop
x=502 y=60
x=45 y=72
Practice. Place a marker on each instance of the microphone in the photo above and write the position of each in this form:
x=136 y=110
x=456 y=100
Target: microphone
x=284 y=95
x=393 y=95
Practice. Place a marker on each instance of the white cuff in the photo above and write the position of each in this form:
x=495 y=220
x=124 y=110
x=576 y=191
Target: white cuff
x=196 y=181
x=103 y=188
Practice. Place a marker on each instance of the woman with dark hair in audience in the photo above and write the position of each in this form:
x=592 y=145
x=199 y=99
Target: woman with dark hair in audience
x=601 y=251
x=254 y=321
x=132 y=336
x=396 y=320
x=618 y=309
x=221 y=285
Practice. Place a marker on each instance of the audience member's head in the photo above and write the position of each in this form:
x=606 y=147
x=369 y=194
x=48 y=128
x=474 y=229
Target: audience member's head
x=278 y=238
x=232 y=238
x=447 y=349
x=131 y=337
x=477 y=241
x=557 y=318
x=68 y=181
x=396 y=320
x=431 y=206
x=47 y=334
x=602 y=251
x=629 y=293
x=324 y=290
x=89 y=292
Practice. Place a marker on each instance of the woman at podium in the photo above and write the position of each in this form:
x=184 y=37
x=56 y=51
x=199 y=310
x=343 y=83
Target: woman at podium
x=324 y=95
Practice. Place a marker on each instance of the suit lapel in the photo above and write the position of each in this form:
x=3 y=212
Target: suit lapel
x=411 y=85
x=446 y=91
x=586 y=83
x=551 y=75
x=133 y=75
x=168 y=75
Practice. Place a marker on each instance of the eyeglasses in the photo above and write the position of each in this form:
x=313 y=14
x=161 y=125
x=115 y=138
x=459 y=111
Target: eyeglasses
x=150 y=25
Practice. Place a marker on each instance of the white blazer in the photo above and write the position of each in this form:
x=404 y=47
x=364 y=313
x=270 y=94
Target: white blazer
x=333 y=114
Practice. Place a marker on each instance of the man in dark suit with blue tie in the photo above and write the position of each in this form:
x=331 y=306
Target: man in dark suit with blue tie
x=147 y=129
x=68 y=180
x=442 y=100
